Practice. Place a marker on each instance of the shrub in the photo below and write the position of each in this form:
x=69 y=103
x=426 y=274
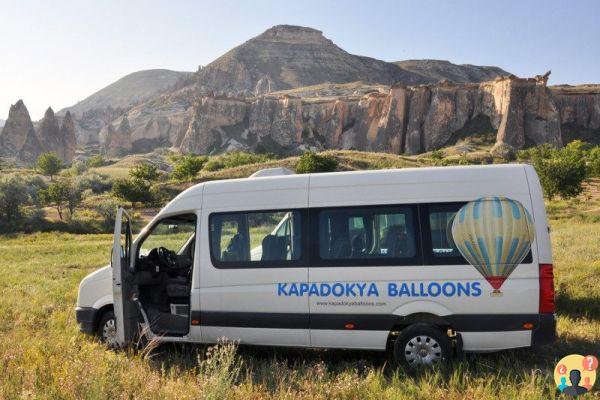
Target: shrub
x=107 y=211
x=214 y=164
x=437 y=155
x=503 y=151
x=146 y=171
x=97 y=183
x=49 y=164
x=77 y=168
x=132 y=190
x=310 y=162
x=187 y=167
x=235 y=159
x=594 y=162
x=95 y=161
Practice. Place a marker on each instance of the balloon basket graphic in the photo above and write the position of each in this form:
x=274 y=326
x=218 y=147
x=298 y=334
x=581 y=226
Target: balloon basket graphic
x=496 y=282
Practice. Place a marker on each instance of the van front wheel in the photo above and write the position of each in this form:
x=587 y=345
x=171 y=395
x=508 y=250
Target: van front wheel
x=107 y=330
x=422 y=345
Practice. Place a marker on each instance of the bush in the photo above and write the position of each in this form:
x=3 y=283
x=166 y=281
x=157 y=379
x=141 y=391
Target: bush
x=146 y=171
x=95 y=161
x=97 y=183
x=214 y=164
x=503 y=151
x=187 y=167
x=107 y=211
x=310 y=162
x=235 y=159
x=132 y=190
x=49 y=164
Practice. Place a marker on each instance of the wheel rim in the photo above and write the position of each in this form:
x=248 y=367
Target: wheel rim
x=109 y=332
x=422 y=350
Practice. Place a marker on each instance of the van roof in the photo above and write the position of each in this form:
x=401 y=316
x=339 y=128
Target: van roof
x=351 y=178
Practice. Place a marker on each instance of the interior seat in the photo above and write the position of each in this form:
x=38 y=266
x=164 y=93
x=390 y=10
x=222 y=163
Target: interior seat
x=178 y=287
x=274 y=248
x=396 y=242
x=358 y=247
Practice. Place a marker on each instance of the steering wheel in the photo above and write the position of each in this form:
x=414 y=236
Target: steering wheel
x=167 y=257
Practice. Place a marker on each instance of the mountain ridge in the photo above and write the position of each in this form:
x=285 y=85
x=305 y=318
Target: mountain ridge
x=128 y=90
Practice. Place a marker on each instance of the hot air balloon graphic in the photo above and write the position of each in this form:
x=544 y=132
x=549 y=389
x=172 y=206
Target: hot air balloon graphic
x=494 y=234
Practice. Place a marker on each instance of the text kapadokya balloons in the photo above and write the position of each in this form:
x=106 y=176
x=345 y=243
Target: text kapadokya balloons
x=494 y=234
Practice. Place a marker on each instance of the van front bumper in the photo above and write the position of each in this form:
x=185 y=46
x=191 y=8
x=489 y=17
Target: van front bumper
x=86 y=319
x=545 y=332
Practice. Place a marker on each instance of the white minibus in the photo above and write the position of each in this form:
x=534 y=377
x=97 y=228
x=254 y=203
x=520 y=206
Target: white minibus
x=424 y=262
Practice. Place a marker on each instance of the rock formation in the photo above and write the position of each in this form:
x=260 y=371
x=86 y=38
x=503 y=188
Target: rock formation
x=18 y=140
x=67 y=133
x=117 y=142
x=56 y=138
x=48 y=132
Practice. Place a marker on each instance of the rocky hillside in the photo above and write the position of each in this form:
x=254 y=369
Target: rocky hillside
x=439 y=70
x=96 y=111
x=128 y=91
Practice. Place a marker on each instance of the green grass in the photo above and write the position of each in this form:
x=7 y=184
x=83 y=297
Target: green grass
x=43 y=355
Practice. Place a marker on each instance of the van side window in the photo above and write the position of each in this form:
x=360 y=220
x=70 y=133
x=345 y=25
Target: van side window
x=374 y=233
x=438 y=246
x=255 y=238
x=440 y=227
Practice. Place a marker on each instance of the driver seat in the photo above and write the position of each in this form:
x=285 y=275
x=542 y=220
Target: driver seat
x=178 y=287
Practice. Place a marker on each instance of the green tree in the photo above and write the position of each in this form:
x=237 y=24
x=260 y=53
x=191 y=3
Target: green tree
x=146 y=171
x=13 y=196
x=561 y=171
x=60 y=195
x=132 y=190
x=49 y=164
x=187 y=167
x=310 y=162
x=593 y=161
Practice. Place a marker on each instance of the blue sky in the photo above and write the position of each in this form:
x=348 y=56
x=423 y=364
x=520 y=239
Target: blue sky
x=58 y=52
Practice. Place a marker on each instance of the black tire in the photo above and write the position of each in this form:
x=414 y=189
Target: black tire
x=104 y=331
x=422 y=345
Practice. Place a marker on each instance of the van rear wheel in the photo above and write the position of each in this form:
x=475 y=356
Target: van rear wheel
x=107 y=330
x=422 y=345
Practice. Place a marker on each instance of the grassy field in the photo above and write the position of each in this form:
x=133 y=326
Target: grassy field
x=43 y=355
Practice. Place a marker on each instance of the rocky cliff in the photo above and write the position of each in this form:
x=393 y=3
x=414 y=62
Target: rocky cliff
x=410 y=120
x=579 y=108
x=18 y=139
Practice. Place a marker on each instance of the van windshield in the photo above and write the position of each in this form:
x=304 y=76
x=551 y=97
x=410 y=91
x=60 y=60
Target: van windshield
x=173 y=234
